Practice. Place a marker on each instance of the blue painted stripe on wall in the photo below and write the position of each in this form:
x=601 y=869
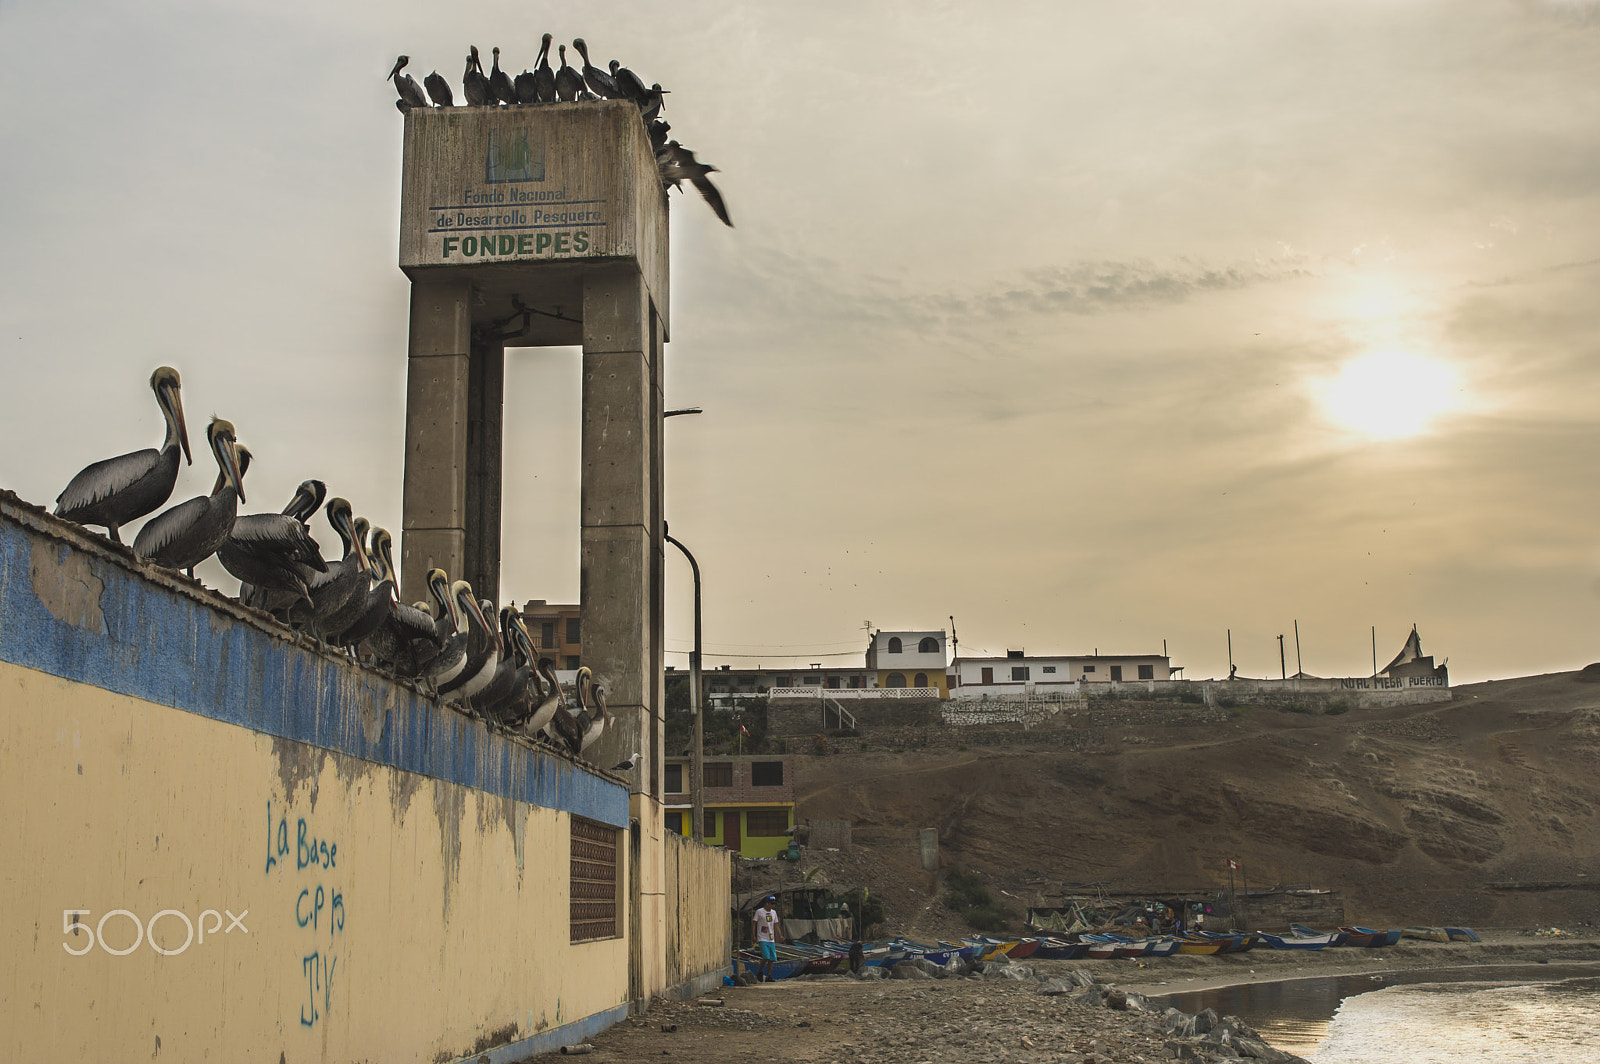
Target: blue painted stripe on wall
x=169 y=648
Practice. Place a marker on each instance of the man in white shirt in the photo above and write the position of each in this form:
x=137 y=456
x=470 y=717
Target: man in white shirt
x=767 y=928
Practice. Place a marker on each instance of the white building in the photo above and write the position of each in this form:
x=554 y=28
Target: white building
x=1018 y=672
x=910 y=659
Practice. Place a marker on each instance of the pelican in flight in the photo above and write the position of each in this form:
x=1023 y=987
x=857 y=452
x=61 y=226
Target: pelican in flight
x=187 y=534
x=678 y=164
x=569 y=83
x=122 y=489
x=411 y=94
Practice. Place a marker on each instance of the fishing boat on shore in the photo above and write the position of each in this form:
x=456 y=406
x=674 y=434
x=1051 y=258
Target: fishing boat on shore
x=1302 y=941
x=1462 y=934
x=1369 y=938
x=1057 y=949
x=1426 y=934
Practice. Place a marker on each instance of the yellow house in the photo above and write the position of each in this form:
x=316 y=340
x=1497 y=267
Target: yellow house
x=749 y=802
x=910 y=660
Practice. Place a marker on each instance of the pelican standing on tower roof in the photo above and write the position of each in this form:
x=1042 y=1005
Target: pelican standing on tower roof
x=598 y=80
x=544 y=79
x=187 y=534
x=474 y=86
x=569 y=83
x=411 y=94
x=500 y=88
x=117 y=490
x=439 y=90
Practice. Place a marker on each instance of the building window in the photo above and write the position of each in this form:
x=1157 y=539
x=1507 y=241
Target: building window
x=895 y=680
x=988 y=675
x=572 y=662
x=919 y=680
x=1147 y=672
x=766 y=823
x=833 y=682
x=1088 y=668
x=718 y=773
x=857 y=681
x=766 y=773
x=894 y=644
x=674 y=822
x=783 y=681
x=674 y=779
x=1116 y=674
x=1049 y=668
x=1019 y=672
x=929 y=645
x=813 y=680
x=710 y=827
x=547 y=635
x=593 y=906
x=573 y=632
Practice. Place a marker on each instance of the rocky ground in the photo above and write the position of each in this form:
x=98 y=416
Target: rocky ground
x=1061 y=1012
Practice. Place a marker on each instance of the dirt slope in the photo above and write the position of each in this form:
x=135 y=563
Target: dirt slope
x=1483 y=810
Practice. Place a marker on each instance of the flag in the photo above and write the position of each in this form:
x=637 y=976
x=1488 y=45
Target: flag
x=743 y=730
x=1232 y=864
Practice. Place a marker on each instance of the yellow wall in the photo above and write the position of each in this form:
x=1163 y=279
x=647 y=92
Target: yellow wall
x=759 y=846
x=443 y=910
x=699 y=936
x=938 y=680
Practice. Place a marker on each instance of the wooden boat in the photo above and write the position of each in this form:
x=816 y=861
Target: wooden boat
x=1102 y=951
x=749 y=962
x=1162 y=947
x=987 y=949
x=1369 y=938
x=1199 y=946
x=1427 y=934
x=1056 y=949
x=1027 y=947
x=1301 y=941
x=1462 y=934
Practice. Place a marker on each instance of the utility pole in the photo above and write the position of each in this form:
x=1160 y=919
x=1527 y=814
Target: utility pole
x=1230 y=653
x=697 y=764
x=1283 y=665
x=1374 y=652
x=1299 y=666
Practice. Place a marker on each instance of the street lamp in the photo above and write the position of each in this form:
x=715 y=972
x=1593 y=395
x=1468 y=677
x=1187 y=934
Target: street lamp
x=696 y=793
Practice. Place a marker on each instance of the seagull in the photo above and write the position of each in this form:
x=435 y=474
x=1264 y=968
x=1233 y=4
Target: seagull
x=411 y=94
x=117 y=490
x=627 y=766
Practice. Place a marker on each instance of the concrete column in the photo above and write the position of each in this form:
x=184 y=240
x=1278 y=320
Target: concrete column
x=433 y=519
x=486 y=385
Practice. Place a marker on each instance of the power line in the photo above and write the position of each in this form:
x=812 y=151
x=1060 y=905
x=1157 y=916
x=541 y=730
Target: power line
x=770 y=657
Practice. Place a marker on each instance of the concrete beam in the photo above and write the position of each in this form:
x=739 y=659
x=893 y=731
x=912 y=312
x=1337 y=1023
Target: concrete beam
x=485 y=444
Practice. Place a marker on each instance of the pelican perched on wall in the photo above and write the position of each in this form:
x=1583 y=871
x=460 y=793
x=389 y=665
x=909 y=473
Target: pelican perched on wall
x=526 y=86
x=544 y=79
x=483 y=645
x=551 y=699
x=500 y=88
x=273 y=555
x=451 y=627
x=409 y=637
x=411 y=94
x=653 y=103
x=509 y=674
x=375 y=608
x=569 y=83
x=629 y=84
x=332 y=625
x=579 y=730
x=598 y=80
x=118 y=490
x=474 y=86
x=187 y=534
x=332 y=590
x=439 y=90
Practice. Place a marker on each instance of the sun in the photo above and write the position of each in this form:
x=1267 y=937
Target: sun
x=1388 y=394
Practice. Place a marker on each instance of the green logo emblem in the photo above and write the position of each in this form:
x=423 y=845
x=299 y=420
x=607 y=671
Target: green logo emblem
x=512 y=159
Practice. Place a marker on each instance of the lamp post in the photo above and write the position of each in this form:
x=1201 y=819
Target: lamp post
x=697 y=763
x=696 y=792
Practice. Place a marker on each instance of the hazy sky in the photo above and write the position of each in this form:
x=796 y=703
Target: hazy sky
x=1091 y=324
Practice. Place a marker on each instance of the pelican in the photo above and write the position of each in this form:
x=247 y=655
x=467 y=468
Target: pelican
x=580 y=730
x=629 y=84
x=679 y=164
x=379 y=597
x=500 y=88
x=657 y=131
x=411 y=94
x=569 y=83
x=331 y=626
x=598 y=80
x=474 y=86
x=408 y=636
x=274 y=553
x=483 y=646
x=187 y=534
x=509 y=674
x=595 y=725
x=549 y=699
x=451 y=627
x=332 y=590
x=653 y=103
x=544 y=79
x=122 y=489
x=527 y=88
x=439 y=90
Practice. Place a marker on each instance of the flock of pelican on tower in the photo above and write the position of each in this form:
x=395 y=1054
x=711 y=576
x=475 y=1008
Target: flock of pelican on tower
x=452 y=647
x=566 y=84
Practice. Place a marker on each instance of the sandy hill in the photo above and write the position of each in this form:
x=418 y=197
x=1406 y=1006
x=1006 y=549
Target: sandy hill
x=1482 y=810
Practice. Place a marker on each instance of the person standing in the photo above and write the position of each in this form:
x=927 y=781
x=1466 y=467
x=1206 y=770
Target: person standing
x=767 y=928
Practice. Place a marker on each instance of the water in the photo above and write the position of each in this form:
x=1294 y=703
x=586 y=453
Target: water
x=1548 y=1014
